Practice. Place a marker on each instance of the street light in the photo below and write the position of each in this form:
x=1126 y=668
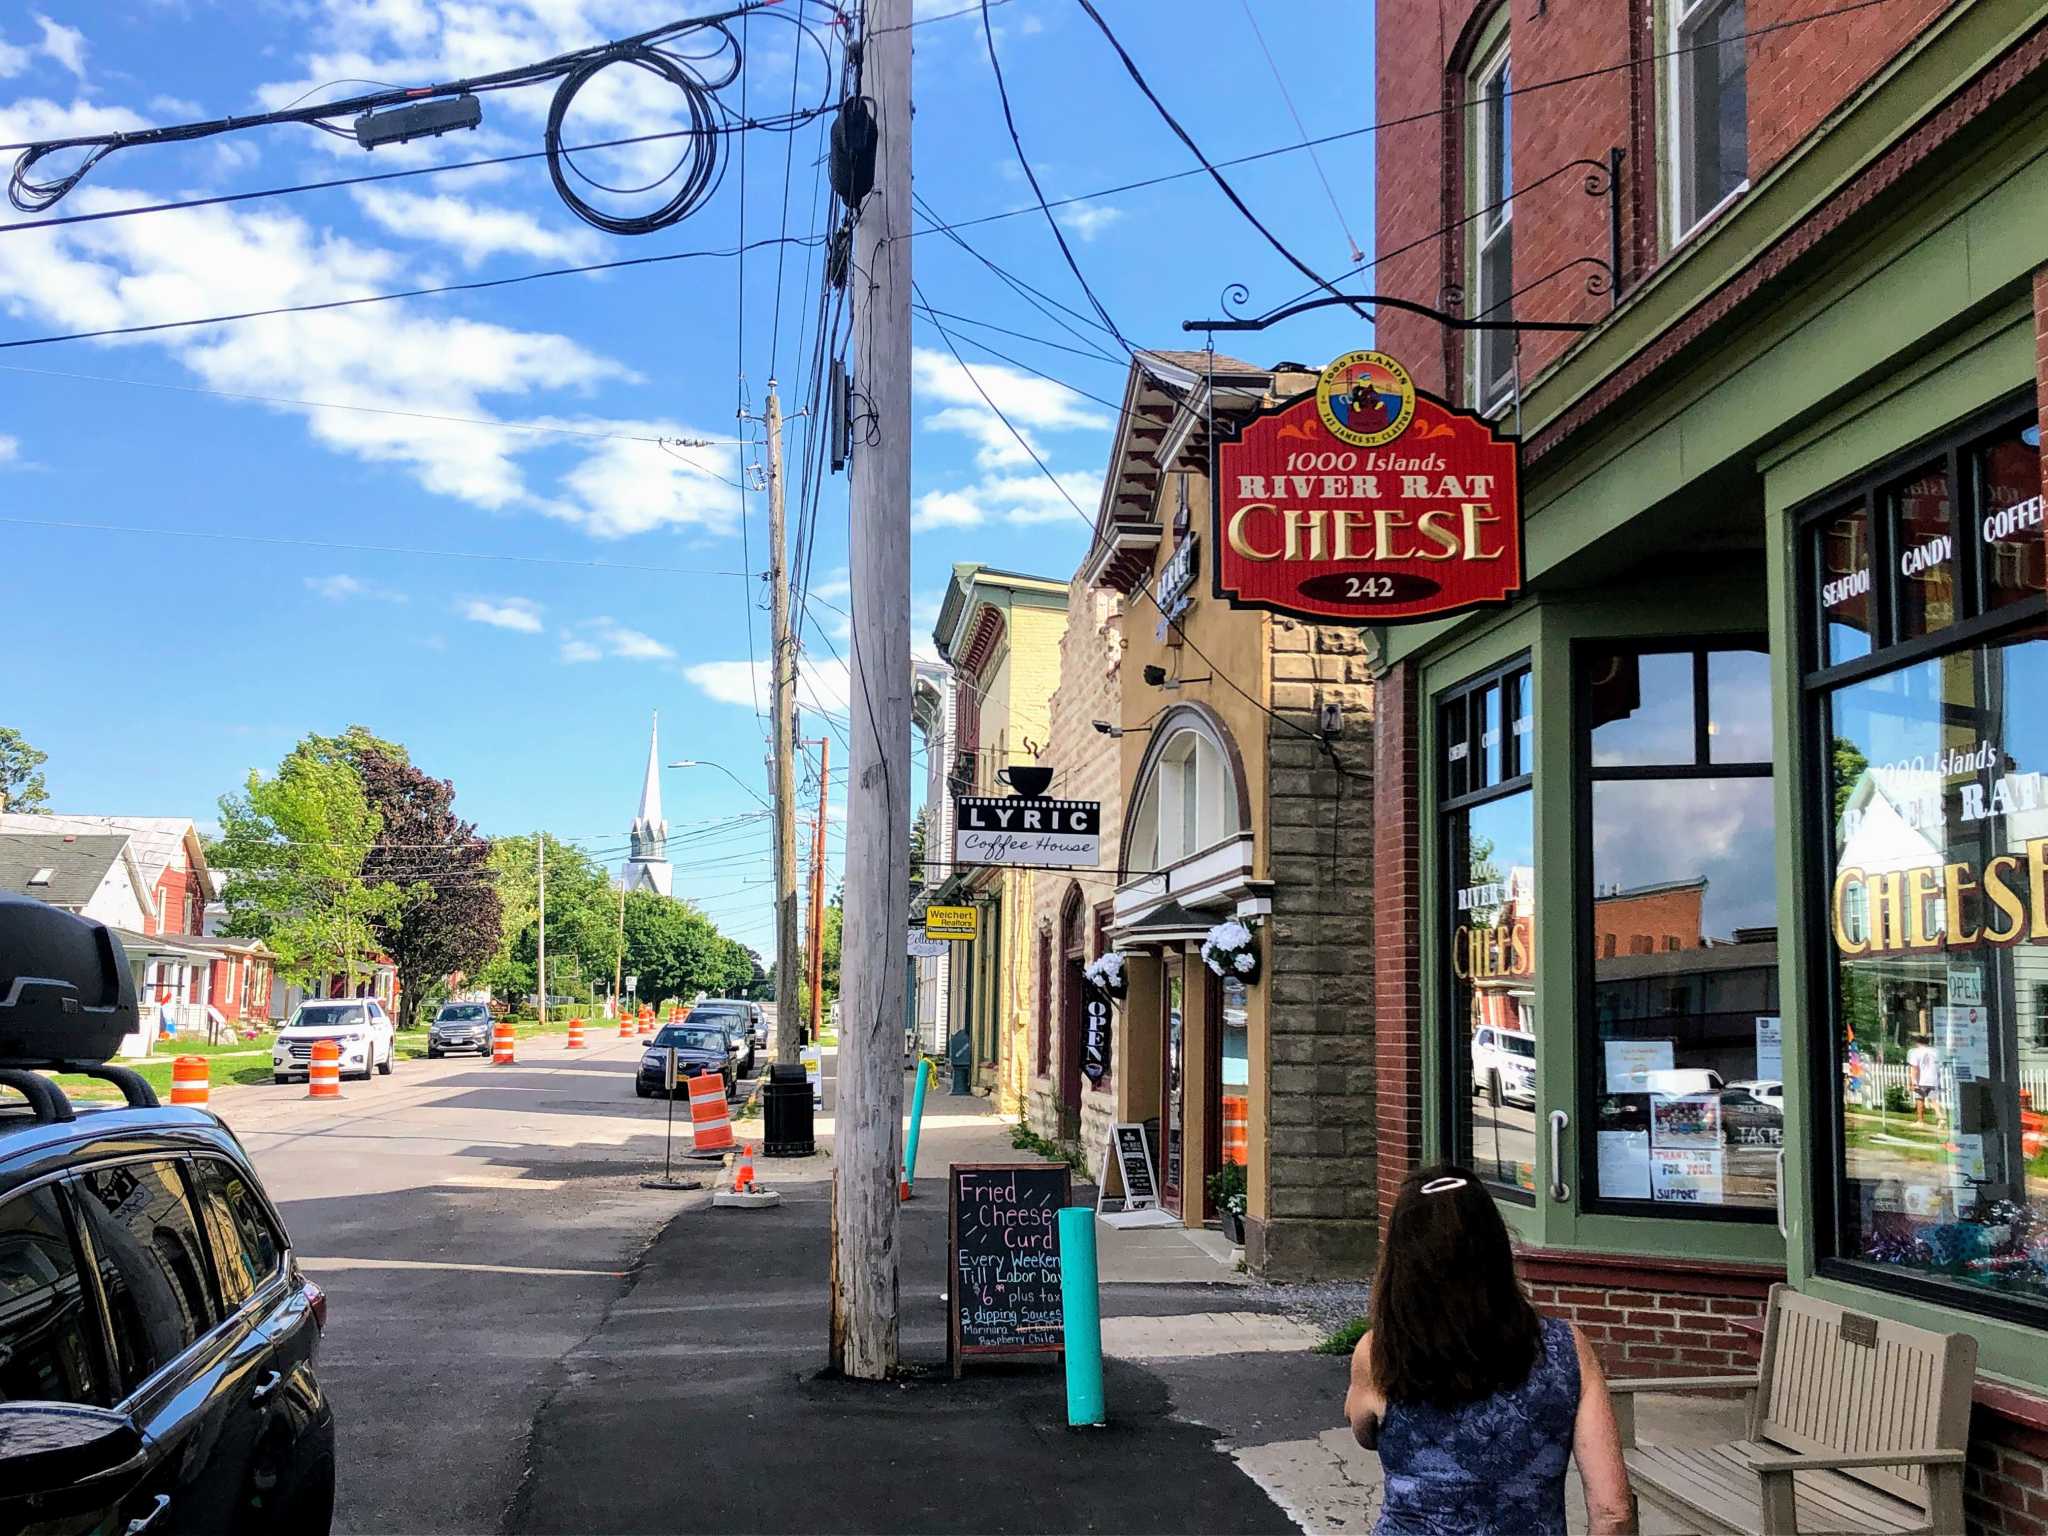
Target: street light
x=691 y=762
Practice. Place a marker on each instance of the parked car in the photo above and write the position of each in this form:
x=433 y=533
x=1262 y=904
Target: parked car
x=736 y=1019
x=700 y=1048
x=1750 y=1118
x=1504 y=1065
x=358 y=1024
x=460 y=1027
x=157 y=1338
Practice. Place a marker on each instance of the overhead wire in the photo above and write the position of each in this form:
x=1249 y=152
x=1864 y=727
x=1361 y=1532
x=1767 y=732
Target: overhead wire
x=1314 y=159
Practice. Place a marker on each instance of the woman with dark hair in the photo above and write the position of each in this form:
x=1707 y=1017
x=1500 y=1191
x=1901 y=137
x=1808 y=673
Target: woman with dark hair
x=1476 y=1403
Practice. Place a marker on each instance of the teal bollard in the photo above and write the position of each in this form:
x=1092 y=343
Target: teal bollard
x=916 y=1120
x=1081 y=1313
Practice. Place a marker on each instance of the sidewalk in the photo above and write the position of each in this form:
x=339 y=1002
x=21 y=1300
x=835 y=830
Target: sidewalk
x=698 y=1403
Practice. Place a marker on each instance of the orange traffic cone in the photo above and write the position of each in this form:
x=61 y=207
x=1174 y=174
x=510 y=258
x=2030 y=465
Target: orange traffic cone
x=743 y=1175
x=575 y=1035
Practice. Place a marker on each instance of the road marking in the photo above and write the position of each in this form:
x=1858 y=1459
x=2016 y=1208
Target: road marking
x=472 y=1269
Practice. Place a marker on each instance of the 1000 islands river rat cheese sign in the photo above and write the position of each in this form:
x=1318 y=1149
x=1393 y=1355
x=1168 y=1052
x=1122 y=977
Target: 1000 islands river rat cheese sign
x=1367 y=500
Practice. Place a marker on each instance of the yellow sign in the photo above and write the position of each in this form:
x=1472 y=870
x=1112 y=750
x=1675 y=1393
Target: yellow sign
x=949 y=923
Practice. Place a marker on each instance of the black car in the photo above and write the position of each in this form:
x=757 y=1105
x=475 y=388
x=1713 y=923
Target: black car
x=731 y=1017
x=460 y=1027
x=700 y=1048
x=157 y=1339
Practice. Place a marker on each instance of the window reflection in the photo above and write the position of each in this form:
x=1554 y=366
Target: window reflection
x=1924 y=539
x=1738 y=707
x=1640 y=705
x=1493 y=970
x=2010 y=525
x=1844 y=569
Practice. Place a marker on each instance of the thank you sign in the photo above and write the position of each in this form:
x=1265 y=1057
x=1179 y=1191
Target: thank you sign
x=1027 y=829
x=1368 y=500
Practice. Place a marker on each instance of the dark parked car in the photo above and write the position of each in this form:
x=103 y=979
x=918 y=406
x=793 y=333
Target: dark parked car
x=700 y=1048
x=735 y=1019
x=157 y=1339
x=460 y=1027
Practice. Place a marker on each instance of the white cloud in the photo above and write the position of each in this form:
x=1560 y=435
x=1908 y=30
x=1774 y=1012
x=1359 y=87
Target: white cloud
x=340 y=588
x=475 y=231
x=176 y=108
x=623 y=488
x=1088 y=220
x=597 y=638
x=10 y=449
x=1027 y=498
x=520 y=613
x=821 y=684
x=13 y=60
x=64 y=44
x=1028 y=402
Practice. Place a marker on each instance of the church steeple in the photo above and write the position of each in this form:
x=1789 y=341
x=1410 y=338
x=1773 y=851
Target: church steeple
x=648 y=868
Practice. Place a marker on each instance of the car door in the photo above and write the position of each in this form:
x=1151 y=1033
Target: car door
x=189 y=1365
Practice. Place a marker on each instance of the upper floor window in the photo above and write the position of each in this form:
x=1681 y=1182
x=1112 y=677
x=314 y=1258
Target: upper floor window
x=1182 y=809
x=1493 y=246
x=1710 y=108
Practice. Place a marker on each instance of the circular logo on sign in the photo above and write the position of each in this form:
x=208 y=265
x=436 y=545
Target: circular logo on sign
x=1366 y=398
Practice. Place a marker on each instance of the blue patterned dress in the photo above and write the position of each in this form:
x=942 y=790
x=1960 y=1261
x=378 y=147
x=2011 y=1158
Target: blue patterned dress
x=1491 y=1468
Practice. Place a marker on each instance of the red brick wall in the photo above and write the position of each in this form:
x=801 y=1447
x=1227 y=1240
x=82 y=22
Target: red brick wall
x=1397 y=954
x=1797 y=77
x=2005 y=1485
x=1646 y=1319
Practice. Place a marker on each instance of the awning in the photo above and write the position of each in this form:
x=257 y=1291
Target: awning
x=1167 y=923
x=159 y=948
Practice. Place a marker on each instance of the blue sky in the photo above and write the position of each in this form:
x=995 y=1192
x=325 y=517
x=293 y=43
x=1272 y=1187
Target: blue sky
x=157 y=670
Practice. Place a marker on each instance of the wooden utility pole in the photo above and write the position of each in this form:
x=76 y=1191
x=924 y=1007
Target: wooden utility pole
x=540 y=972
x=824 y=745
x=619 y=965
x=868 y=1119
x=783 y=667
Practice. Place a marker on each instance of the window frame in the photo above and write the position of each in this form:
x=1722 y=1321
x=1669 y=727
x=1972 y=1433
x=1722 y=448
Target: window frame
x=1826 y=1171
x=1518 y=752
x=1679 y=16
x=1489 y=120
x=105 y=1360
x=1587 y=1091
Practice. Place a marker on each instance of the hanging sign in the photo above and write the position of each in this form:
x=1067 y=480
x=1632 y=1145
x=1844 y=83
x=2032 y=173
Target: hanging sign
x=923 y=948
x=1367 y=500
x=1174 y=588
x=1026 y=829
x=1094 y=1033
x=949 y=923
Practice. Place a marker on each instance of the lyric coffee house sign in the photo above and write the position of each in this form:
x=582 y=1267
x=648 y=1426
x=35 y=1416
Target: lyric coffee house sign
x=1027 y=830
x=1366 y=499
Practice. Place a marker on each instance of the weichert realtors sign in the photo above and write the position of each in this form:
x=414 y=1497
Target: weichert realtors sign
x=1367 y=500
x=1026 y=829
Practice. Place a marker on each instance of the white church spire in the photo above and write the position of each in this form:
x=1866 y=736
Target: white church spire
x=648 y=868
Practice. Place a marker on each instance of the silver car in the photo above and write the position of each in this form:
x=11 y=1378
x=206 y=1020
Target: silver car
x=459 y=1027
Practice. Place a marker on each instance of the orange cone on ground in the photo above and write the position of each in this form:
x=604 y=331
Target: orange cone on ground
x=323 y=1071
x=501 y=1045
x=575 y=1035
x=191 y=1081
x=710 y=1120
x=743 y=1175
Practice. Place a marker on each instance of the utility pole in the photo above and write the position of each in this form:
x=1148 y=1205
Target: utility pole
x=540 y=973
x=824 y=745
x=867 y=1158
x=783 y=665
x=619 y=965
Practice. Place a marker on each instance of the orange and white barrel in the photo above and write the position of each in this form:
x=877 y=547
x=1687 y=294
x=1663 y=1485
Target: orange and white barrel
x=191 y=1080
x=1236 y=1128
x=501 y=1045
x=646 y=1021
x=710 y=1120
x=575 y=1035
x=323 y=1071
x=625 y=1023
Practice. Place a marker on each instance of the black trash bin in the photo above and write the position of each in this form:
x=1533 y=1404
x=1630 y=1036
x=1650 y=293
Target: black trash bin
x=786 y=1111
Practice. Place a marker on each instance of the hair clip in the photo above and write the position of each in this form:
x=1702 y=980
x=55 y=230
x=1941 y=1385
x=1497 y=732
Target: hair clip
x=1438 y=1186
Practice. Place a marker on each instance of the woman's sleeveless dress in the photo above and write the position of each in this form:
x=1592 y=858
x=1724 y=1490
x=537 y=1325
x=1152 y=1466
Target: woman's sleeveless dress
x=1494 y=1466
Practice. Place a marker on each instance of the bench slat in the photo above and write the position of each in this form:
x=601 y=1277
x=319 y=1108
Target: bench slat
x=1871 y=1509
x=1719 y=1484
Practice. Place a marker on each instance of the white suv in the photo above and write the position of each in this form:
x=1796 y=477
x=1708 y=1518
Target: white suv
x=1504 y=1065
x=359 y=1025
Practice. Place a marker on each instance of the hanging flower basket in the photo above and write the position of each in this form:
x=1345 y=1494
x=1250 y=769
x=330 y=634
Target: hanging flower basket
x=1106 y=974
x=1231 y=950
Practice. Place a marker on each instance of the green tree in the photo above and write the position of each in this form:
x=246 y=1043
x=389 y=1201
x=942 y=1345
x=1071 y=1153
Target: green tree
x=672 y=948
x=295 y=844
x=583 y=919
x=1849 y=766
x=835 y=918
x=21 y=778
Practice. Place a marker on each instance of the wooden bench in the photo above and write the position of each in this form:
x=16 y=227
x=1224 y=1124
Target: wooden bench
x=1855 y=1425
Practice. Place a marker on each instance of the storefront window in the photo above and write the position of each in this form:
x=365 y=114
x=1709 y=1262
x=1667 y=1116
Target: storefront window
x=1933 y=892
x=1683 y=1079
x=1234 y=1075
x=1489 y=846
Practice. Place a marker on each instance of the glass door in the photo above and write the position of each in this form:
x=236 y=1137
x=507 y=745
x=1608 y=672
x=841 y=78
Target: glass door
x=1172 y=1116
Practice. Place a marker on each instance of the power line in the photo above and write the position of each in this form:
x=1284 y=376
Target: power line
x=386 y=298
x=1316 y=160
x=931 y=316
x=1042 y=341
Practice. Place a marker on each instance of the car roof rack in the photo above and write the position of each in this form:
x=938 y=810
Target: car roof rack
x=48 y=1100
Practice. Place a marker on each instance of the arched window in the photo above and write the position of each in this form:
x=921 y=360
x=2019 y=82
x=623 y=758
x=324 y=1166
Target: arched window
x=1189 y=802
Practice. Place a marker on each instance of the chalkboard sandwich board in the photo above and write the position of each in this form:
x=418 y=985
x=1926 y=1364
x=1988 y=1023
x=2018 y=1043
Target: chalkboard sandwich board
x=1002 y=1222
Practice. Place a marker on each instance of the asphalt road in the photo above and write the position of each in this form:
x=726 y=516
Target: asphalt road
x=471 y=1225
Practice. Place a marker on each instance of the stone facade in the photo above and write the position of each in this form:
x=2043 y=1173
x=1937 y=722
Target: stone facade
x=1321 y=1208
x=1085 y=764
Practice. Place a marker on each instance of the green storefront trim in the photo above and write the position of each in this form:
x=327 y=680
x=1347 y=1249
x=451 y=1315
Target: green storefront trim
x=1927 y=298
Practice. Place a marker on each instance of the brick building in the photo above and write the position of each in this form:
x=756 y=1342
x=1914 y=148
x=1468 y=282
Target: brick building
x=1782 y=501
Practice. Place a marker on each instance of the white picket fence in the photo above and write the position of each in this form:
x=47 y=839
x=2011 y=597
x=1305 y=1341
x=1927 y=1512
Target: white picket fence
x=2033 y=1081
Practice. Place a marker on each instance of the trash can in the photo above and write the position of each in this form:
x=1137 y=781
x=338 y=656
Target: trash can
x=786 y=1112
x=960 y=1053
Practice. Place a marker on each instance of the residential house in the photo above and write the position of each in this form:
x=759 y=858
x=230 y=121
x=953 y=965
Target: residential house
x=932 y=701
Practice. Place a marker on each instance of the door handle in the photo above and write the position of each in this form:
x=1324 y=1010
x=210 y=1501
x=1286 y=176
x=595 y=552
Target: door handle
x=266 y=1386
x=143 y=1522
x=1559 y=1190
x=1783 y=1230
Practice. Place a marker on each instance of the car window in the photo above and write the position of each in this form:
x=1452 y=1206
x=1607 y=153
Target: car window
x=48 y=1351
x=246 y=1246
x=152 y=1264
x=326 y=1015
